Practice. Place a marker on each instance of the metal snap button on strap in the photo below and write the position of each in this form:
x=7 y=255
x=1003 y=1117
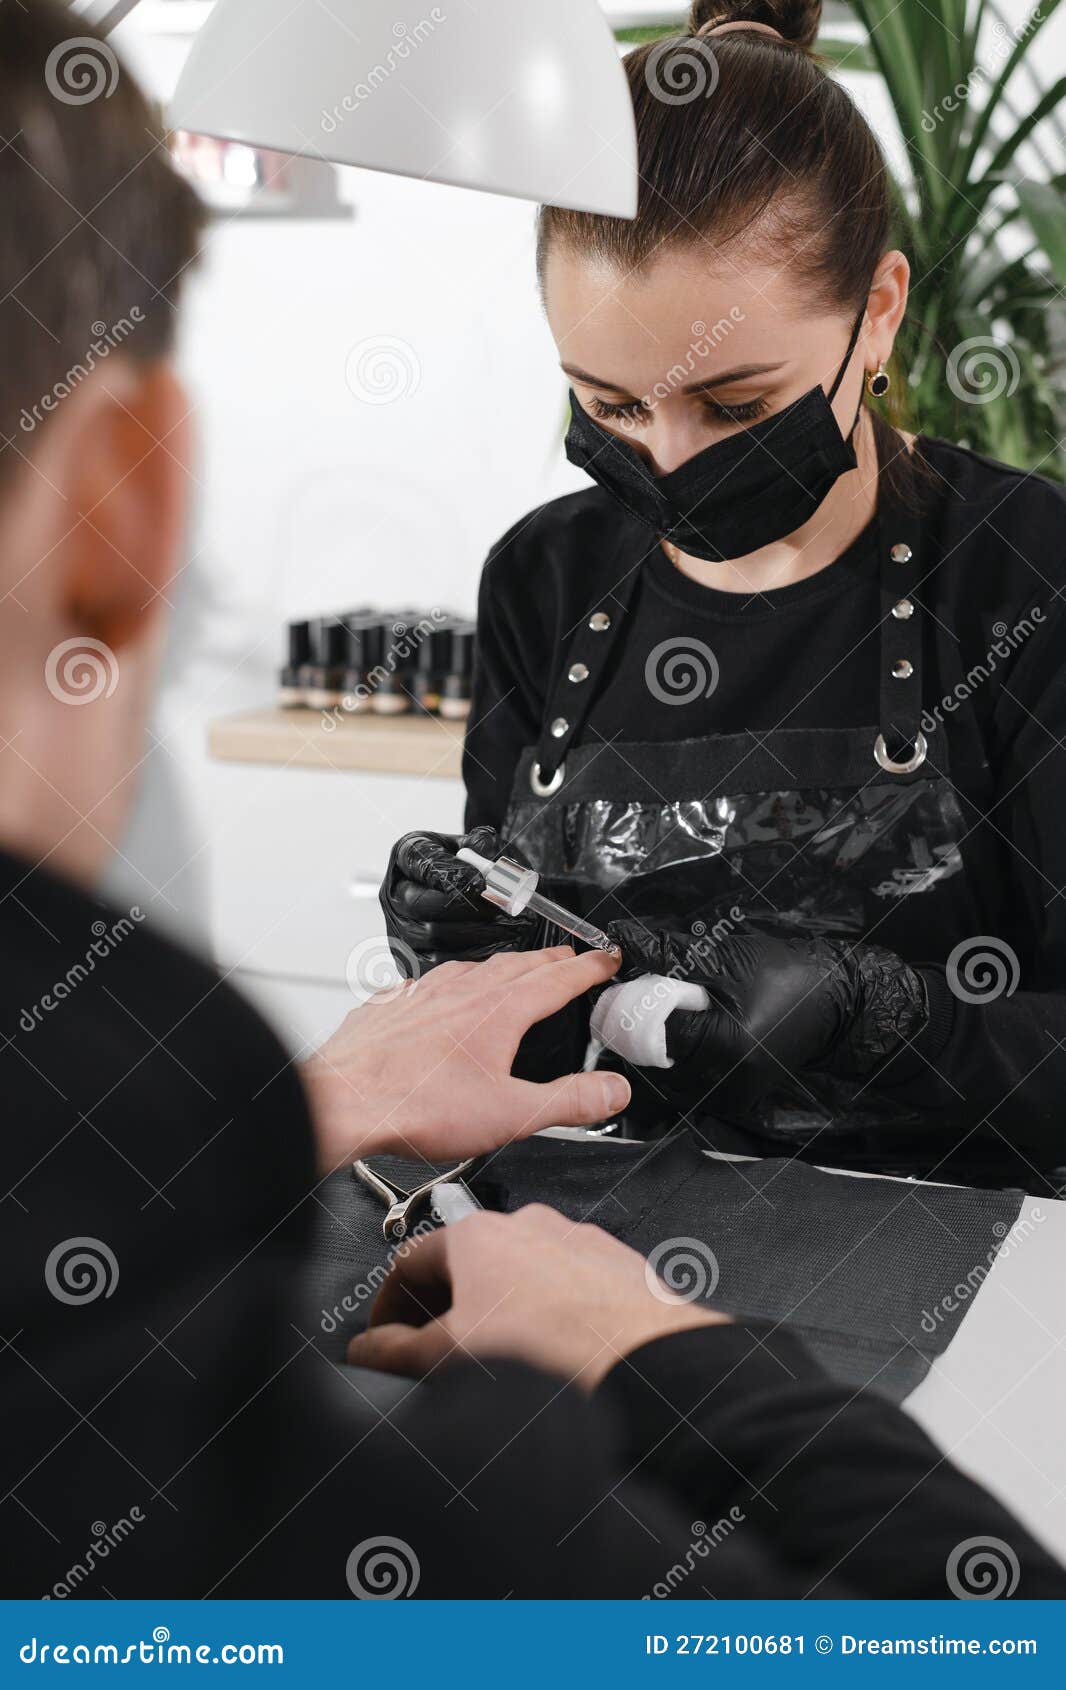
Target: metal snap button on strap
x=913 y=762
x=577 y=672
x=545 y=788
x=559 y=729
x=599 y=622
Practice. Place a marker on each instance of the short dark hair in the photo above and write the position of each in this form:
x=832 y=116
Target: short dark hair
x=97 y=226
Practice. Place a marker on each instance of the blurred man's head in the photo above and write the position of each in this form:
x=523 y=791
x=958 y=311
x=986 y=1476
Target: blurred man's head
x=96 y=234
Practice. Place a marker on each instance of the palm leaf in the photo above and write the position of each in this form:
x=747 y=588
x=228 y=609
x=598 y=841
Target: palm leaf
x=1045 y=209
x=967 y=198
x=1023 y=45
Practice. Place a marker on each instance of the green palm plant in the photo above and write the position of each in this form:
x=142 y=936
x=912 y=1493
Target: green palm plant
x=981 y=215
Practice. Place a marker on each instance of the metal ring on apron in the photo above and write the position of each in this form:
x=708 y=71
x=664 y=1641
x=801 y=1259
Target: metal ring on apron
x=545 y=788
x=921 y=747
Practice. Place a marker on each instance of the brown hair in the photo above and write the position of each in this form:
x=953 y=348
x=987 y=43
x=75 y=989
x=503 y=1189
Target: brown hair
x=98 y=228
x=742 y=136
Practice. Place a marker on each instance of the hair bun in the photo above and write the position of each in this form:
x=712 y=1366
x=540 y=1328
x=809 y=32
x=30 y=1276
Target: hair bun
x=796 y=21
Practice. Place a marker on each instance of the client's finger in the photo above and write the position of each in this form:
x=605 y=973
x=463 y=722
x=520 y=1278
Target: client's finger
x=411 y=1351
x=544 y=990
x=576 y=1100
x=507 y=966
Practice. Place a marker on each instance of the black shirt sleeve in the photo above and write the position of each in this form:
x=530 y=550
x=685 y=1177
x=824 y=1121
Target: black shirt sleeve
x=505 y=713
x=846 y=1493
x=720 y=1462
x=520 y=634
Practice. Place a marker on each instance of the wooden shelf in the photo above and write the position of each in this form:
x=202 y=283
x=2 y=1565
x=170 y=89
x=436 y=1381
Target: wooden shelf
x=398 y=745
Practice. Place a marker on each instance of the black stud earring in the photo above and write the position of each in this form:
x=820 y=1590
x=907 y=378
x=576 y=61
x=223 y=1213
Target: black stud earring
x=877 y=382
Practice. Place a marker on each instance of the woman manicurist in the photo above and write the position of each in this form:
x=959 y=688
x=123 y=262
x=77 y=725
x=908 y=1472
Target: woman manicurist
x=783 y=693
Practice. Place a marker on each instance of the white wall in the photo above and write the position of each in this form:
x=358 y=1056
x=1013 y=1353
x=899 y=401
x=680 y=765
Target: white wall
x=311 y=498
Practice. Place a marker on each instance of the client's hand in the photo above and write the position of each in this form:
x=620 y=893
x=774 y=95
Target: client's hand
x=425 y=1069
x=564 y=1297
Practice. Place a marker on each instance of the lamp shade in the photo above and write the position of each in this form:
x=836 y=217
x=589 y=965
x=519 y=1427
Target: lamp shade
x=520 y=97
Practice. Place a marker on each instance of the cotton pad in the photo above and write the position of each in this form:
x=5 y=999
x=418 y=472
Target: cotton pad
x=631 y=1018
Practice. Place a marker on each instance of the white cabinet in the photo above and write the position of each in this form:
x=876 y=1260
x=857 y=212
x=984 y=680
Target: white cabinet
x=297 y=856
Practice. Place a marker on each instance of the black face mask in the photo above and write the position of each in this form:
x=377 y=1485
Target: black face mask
x=743 y=492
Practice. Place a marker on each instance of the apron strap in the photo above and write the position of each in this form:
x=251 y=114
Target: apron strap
x=900 y=748
x=902 y=644
x=578 y=683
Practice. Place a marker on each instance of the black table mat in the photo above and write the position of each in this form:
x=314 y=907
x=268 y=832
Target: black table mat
x=866 y=1271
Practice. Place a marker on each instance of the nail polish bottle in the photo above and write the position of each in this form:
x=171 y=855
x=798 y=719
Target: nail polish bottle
x=458 y=681
x=431 y=666
x=372 y=649
x=292 y=681
x=356 y=697
x=329 y=651
x=392 y=695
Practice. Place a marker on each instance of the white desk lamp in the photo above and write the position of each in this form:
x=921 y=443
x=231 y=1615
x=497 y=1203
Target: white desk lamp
x=519 y=97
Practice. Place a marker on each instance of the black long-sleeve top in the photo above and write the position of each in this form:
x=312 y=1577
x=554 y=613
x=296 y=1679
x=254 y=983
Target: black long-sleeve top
x=807 y=656
x=170 y=1429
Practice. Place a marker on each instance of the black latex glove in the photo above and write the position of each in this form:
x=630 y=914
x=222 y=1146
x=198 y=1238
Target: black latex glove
x=433 y=905
x=780 y=1003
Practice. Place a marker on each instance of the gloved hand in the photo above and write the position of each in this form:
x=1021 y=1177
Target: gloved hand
x=433 y=905
x=780 y=1002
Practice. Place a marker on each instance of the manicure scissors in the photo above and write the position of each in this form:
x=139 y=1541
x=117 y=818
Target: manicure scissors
x=403 y=1204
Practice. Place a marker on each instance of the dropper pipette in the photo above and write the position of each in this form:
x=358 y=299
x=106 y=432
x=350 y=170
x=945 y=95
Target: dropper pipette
x=513 y=888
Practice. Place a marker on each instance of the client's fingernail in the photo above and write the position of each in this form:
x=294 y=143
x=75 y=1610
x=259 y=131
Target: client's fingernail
x=617 y=1091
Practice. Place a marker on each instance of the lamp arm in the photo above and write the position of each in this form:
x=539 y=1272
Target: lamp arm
x=104 y=15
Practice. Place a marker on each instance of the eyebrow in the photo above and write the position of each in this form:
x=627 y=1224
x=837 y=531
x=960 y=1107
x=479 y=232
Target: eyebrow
x=741 y=373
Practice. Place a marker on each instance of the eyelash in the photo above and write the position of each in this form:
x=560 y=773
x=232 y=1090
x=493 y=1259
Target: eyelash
x=746 y=413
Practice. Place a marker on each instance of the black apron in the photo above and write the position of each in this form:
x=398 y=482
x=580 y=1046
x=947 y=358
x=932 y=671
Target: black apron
x=862 y=833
